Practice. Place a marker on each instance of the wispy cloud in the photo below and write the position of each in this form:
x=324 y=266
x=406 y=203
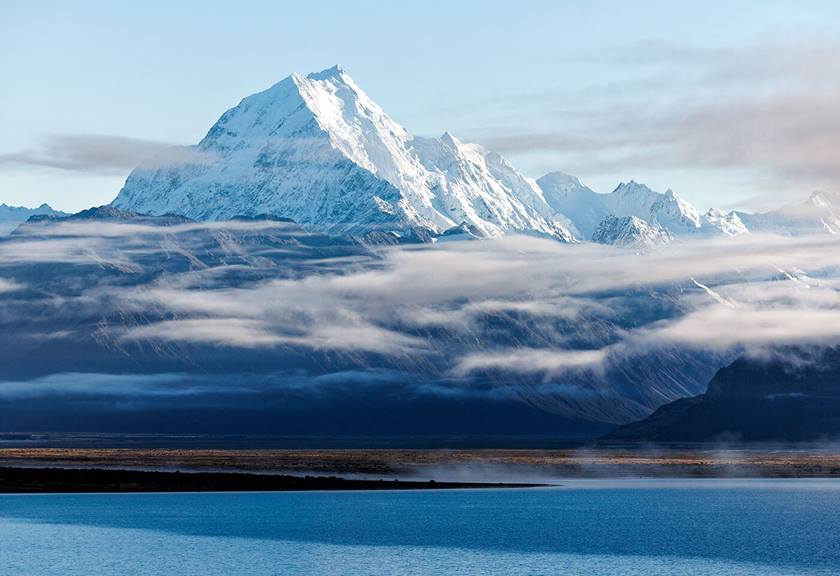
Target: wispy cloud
x=105 y=229
x=97 y=154
x=90 y=251
x=532 y=361
x=768 y=111
x=120 y=244
x=9 y=286
x=109 y=385
x=612 y=330
x=758 y=315
x=386 y=308
x=270 y=315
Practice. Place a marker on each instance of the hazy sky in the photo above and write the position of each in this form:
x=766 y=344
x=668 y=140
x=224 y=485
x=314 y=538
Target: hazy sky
x=732 y=104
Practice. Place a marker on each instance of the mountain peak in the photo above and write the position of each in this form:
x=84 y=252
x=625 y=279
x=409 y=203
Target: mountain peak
x=450 y=140
x=558 y=178
x=334 y=72
x=12 y=216
x=822 y=198
x=672 y=212
x=631 y=187
x=629 y=231
x=320 y=151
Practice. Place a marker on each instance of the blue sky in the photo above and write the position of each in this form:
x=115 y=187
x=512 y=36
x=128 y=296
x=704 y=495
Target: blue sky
x=731 y=104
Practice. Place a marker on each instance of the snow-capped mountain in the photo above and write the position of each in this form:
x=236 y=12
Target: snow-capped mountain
x=584 y=207
x=12 y=216
x=672 y=212
x=726 y=223
x=587 y=210
x=819 y=214
x=629 y=231
x=318 y=150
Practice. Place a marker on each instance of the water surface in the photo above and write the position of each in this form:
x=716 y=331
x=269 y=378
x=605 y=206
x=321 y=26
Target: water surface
x=585 y=527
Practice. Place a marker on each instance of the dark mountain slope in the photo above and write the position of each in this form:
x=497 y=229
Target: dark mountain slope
x=793 y=397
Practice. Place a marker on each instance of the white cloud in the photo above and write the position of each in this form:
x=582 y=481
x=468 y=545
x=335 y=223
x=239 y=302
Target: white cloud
x=531 y=361
x=379 y=309
x=93 y=153
x=9 y=286
x=767 y=114
x=235 y=332
x=110 y=229
x=559 y=307
x=110 y=385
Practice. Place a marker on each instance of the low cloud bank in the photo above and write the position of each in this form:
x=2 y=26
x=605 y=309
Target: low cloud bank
x=616 y=331
x=753 y=294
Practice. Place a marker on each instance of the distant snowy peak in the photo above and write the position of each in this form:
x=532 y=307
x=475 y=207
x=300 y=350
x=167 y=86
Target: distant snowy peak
x=821 y=199
x=12 y=216
x=673 y=213
x=20 y=213
x=825 y=211
x=584 y=208
x=819 y=214
x=318 y=150
x=629 y=231
x=633 y=199
x=726 y=223
x=660 y=211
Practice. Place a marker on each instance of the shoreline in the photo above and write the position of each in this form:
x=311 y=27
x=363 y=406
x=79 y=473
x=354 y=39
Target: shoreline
x=53 y=480
x=470 y=467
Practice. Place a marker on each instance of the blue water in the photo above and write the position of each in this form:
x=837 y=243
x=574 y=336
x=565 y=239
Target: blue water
x=620 y=527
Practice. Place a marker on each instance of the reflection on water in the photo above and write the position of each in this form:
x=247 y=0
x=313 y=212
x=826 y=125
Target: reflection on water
x=620 y=527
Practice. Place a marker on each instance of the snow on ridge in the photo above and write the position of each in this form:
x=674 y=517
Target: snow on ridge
x=12 y=216
x=318 y=150
x=667 y=211
x=629 y=231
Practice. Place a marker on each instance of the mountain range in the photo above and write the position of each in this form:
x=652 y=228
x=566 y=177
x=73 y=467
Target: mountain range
x=318 y=150
x=12 y=216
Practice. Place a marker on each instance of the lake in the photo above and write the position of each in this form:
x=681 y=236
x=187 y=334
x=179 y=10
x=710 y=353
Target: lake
x=626 y=527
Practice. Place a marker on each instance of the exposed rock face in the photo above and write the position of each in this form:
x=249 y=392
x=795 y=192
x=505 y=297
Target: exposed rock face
x=629 y=231
x=794 y=397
